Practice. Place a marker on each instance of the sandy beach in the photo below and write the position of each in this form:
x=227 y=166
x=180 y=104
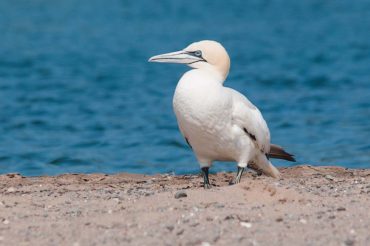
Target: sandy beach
x=307 y=206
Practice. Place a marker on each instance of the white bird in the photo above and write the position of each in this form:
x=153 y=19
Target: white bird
x=219 y=123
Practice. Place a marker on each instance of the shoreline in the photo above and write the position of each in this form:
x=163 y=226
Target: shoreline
x=324 y=205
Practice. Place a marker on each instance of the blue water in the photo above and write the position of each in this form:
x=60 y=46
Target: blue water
x=77 y=93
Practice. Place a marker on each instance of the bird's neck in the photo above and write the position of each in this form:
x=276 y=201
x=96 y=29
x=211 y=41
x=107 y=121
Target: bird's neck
x=209 y=73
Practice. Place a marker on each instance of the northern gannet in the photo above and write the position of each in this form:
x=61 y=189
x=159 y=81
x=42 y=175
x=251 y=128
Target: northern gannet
x=219 y=123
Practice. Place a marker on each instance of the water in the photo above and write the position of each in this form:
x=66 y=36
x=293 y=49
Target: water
x=77 y=93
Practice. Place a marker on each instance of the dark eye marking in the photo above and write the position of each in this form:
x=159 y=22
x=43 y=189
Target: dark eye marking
x=197 y=53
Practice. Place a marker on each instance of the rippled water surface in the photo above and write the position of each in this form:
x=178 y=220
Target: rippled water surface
x=77 y=93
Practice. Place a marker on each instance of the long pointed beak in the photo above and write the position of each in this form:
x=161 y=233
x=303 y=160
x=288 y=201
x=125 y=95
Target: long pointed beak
x=181 y=56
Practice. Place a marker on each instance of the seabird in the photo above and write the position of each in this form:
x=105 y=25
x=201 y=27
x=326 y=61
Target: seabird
x=219 y=123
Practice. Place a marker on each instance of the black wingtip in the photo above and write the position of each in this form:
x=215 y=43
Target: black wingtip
x=278 y=152
x=292 y=159
x=287 y=156
x=282 y=155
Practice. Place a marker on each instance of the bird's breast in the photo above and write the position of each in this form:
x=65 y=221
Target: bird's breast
x=201 y=102
x=203 y=109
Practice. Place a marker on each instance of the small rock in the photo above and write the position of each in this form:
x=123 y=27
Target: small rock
x=283 y=200
x=279 y=219
x=149 y=193
x=180 y=194
x=170 y=227
x=341 y=209
x=349 y=242
x=246 y=224
x=209 y=218
x=205 y=244
x=10 y=190
x=13 y=175
x=229 y=217
x=329 y=177
x=5 y=222
x=303 y=221
x=181 y=231
x=194 y=224
x=219 y=205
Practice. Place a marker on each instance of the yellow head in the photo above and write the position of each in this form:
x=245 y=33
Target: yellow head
x=204 y=54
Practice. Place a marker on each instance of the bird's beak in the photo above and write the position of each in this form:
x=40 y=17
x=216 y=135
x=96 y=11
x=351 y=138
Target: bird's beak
x=181 y=56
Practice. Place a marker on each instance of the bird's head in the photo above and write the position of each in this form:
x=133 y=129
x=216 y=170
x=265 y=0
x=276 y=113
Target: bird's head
x=204 y=54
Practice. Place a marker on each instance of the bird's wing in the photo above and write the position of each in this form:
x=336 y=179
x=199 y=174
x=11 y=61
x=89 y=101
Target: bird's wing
x=249 y=118
x=182 y=132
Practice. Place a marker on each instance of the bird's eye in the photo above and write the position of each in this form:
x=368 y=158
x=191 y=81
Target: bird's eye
x=198 y=53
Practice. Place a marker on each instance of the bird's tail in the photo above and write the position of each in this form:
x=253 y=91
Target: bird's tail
x=263 y=165
x=278 y=152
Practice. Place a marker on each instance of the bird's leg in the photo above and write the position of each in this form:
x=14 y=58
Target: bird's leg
x=207 y=185
x=238 y=175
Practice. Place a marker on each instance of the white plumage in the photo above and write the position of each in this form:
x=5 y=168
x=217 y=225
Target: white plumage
x=219 y=123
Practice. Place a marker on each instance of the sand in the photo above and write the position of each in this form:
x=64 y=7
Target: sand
x=307 y=206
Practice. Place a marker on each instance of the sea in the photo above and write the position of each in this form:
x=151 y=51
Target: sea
x=77 y=94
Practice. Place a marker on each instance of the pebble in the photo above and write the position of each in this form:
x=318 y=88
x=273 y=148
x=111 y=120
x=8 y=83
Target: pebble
x=205 y=244
x=279 y=219
x=303 y=221
x=149 y=193
x=329 y=177
x=208 y=218
x=5 y=222
x=246 y=224
x=219 y=205
x=180 y=194
x=229 y=217
x=194 y=224
x=349 y=242
x=13 y=175
x=170 y=227
x=341 y=209
x=10 y=189
x=181 y=231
